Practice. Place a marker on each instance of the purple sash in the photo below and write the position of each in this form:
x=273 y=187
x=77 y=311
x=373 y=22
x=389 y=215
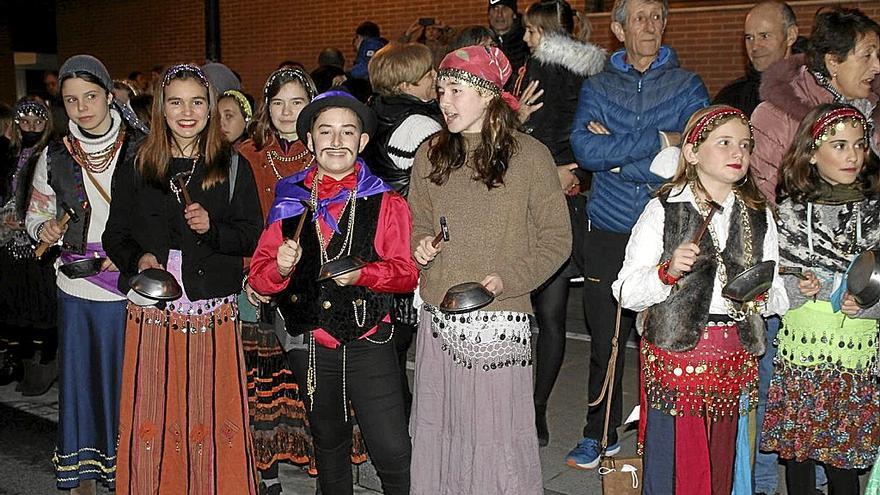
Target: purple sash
x=289 y=194
x=106 y=280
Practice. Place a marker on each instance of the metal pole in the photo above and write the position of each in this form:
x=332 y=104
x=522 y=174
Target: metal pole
x=212 y=30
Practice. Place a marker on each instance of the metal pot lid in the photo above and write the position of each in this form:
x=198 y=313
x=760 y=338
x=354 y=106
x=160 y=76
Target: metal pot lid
x=157 y=284
x=751 y=283
x=469 y=296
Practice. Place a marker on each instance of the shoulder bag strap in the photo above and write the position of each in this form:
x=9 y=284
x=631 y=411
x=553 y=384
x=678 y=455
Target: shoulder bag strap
x=608 y=385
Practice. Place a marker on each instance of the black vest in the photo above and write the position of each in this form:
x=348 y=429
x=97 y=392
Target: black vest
x=66 y=179
x=677 y=323
x=307 y=304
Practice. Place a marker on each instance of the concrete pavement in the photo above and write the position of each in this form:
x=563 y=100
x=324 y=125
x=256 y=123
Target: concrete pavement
x=28 y=428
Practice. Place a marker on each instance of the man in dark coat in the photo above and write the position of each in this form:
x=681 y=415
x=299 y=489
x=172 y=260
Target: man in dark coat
x=504 y=19
x=770 y=32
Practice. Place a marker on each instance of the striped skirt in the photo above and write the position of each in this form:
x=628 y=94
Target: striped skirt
x=184 y=421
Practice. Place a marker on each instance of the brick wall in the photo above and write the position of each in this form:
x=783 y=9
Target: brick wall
x=258 y=34
x=130 y=35
x=7 y=63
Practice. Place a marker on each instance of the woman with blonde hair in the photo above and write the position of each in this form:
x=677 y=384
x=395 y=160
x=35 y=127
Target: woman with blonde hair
x=700 y=349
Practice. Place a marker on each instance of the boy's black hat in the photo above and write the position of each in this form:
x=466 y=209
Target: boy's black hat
x=331 y=99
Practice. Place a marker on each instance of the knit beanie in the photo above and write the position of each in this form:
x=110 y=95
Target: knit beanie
x=88 y=64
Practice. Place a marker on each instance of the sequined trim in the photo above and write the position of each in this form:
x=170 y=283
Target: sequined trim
x=488 y=339
x=194 y=320
x=468 y=78
x=706 y=381
x=812 y=335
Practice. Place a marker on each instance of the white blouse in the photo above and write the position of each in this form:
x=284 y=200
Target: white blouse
x=638 y=278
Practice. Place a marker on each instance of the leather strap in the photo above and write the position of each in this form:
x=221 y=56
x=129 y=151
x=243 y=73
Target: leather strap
x=92 y=178
x=608 y=384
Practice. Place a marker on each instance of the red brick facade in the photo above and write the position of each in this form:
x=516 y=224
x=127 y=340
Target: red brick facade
x=7 y=63
x=256 y=35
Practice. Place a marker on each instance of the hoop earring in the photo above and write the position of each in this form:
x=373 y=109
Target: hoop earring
x=690 y=171
x=742 y=181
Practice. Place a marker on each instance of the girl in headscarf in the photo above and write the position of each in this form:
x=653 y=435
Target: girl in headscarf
x=72 y=179
x=472 y=422
x=28 y=317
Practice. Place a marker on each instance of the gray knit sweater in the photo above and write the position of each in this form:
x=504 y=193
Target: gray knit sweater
x=836 y=240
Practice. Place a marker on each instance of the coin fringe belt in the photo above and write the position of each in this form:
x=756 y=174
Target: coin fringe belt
x=490 y=340
x=194 y=317
x=706 y=381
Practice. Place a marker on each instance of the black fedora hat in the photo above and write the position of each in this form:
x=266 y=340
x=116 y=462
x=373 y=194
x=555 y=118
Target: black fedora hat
x=331 y=99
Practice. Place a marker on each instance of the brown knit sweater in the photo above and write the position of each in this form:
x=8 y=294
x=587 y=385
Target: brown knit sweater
x=521 y=230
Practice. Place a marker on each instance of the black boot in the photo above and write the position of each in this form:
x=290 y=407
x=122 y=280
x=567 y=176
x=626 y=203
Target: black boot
x=38 y=376
x=10 y=366
x=541 y=424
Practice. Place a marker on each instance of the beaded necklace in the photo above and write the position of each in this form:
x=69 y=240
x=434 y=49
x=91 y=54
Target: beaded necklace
x=272 y=155
x=734 y=312
x=177 y=190
x=349 y=232
x=100 y=160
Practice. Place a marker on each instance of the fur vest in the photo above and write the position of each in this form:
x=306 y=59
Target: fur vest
x=677 y=323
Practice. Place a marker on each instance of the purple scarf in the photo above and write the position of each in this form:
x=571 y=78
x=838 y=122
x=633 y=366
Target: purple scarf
x=289 y=195
x=106 y=280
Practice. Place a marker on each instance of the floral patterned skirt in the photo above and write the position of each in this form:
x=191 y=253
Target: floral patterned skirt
x=823 y=413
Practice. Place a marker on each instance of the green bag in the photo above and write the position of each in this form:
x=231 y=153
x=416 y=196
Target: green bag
x=247 y=312
x=873 y=487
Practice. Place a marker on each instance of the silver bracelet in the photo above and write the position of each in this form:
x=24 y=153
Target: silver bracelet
x=40 y=231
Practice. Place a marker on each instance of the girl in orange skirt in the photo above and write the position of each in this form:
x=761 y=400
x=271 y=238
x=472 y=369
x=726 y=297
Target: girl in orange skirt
x=187 y=204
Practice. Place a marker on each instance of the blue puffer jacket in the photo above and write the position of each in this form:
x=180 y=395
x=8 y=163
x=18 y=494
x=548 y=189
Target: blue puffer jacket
x=634 y=107
x=368 y=47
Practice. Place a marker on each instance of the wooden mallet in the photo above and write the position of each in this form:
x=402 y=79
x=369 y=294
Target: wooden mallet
x=69 y=214
x=181 y=179
x=713 y=207
x=302 y=220
x=443 y=235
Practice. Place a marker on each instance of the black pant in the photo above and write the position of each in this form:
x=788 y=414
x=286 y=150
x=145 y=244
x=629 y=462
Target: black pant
x=603 y=258
x=550 y=302
x=372 y=377
x=403 y=336
x=800 y=477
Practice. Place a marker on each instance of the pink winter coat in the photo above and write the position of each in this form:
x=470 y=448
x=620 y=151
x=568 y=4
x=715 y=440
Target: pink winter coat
x=788 y=92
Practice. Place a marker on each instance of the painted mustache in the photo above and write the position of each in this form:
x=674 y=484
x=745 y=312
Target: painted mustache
x=334 y=148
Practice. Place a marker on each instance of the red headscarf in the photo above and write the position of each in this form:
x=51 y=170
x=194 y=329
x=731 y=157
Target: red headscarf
x=480 y=66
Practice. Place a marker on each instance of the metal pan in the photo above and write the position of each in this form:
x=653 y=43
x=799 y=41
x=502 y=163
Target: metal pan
x=83 y=268
x=863 y=279
x=156 y=284
x=335 y=268
x=469 y=296
x=751 y=283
